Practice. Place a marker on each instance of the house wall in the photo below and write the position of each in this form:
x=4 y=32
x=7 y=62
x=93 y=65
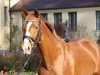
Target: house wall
x=88 y=18
x=85 y=16
x=1 y=22
x=4 y=29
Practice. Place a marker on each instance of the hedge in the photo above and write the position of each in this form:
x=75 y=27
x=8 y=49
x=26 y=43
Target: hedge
x=16 y=62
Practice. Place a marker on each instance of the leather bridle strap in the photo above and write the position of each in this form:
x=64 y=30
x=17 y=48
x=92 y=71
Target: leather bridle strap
x=29 y=38
x=38 y=35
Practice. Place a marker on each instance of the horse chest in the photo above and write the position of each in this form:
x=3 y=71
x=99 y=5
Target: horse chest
x=58 y=65
x=64 y=64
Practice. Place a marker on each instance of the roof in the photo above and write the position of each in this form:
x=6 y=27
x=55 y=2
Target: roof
x=54 y=4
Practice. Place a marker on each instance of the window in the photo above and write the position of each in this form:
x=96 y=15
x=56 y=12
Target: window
x=97 y=20
x=44 y=15
x=57 y=18
x=23 y=19
x=73 y=21
x=5 y=16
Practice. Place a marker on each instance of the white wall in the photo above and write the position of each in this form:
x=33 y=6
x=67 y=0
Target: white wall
x=87 y=18
x=4 y=29
x=0 y=20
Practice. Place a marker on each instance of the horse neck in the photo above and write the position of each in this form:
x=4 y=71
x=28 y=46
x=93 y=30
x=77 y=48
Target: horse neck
x=49 y=46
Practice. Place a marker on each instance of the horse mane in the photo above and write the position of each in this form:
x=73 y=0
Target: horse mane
x=51 y=28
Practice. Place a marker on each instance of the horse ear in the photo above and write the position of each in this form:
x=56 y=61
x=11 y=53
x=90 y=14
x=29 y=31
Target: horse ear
x=36 y=13
x=25 y=12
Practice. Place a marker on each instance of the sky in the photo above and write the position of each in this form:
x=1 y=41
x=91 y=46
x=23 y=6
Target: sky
x=13 y=2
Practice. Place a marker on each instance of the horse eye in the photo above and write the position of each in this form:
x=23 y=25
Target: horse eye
x=36 y=27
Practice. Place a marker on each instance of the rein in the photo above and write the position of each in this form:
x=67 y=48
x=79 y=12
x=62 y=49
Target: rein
x=26 y=62
x=36 y=40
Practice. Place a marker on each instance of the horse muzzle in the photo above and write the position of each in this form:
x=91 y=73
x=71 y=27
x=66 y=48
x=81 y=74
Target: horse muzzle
x=27 y=49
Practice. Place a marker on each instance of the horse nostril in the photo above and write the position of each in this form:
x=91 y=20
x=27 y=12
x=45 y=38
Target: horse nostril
x=28 y=47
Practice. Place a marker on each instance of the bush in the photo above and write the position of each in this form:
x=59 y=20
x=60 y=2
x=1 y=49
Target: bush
x=16 y=62
x=13 y=62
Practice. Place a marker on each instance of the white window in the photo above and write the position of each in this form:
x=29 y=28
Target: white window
x=57 y=18
x=73 y=21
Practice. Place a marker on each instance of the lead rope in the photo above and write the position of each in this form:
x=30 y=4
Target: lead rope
x=22 y=69
x=26 y=62
x=35 y=42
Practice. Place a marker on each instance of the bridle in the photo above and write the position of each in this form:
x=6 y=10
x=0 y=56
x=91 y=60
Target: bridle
x=37 y=38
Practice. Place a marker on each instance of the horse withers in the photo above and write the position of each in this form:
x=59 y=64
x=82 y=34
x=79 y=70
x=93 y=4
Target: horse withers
x=80 y=57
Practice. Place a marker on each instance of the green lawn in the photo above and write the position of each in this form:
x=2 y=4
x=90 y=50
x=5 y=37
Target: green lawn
x=28 y=73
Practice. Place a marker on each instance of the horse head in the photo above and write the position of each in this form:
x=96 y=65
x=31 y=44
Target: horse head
x=31 y=30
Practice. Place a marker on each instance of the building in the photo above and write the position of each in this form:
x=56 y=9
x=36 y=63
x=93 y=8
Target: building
x=4 y=24
x=76 y=12
x=1 y=8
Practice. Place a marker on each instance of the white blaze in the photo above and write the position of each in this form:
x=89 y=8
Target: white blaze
x=26 y=41
x=27 y=29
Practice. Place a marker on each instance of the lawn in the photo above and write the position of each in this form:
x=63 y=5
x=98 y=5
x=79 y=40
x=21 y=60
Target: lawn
x=28 y=73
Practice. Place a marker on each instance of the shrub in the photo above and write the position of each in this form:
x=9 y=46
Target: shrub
x=8 y=63
x=16 y=62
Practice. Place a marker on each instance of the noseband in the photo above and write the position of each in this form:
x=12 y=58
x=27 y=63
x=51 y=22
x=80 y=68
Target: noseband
x=37 y=38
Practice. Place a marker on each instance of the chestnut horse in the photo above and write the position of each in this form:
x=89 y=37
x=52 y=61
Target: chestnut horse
x=80 y=57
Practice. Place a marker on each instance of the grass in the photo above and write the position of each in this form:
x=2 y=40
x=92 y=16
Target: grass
x=28 y=73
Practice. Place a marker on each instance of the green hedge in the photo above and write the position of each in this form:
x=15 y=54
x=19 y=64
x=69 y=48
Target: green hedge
x=16 y=62
x=13 y=62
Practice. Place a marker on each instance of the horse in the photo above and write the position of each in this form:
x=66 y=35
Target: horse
x=78 y=57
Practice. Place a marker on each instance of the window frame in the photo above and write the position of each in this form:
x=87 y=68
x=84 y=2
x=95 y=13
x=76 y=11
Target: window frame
x=55 y=18
x=72 y=21
x=97 y=21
